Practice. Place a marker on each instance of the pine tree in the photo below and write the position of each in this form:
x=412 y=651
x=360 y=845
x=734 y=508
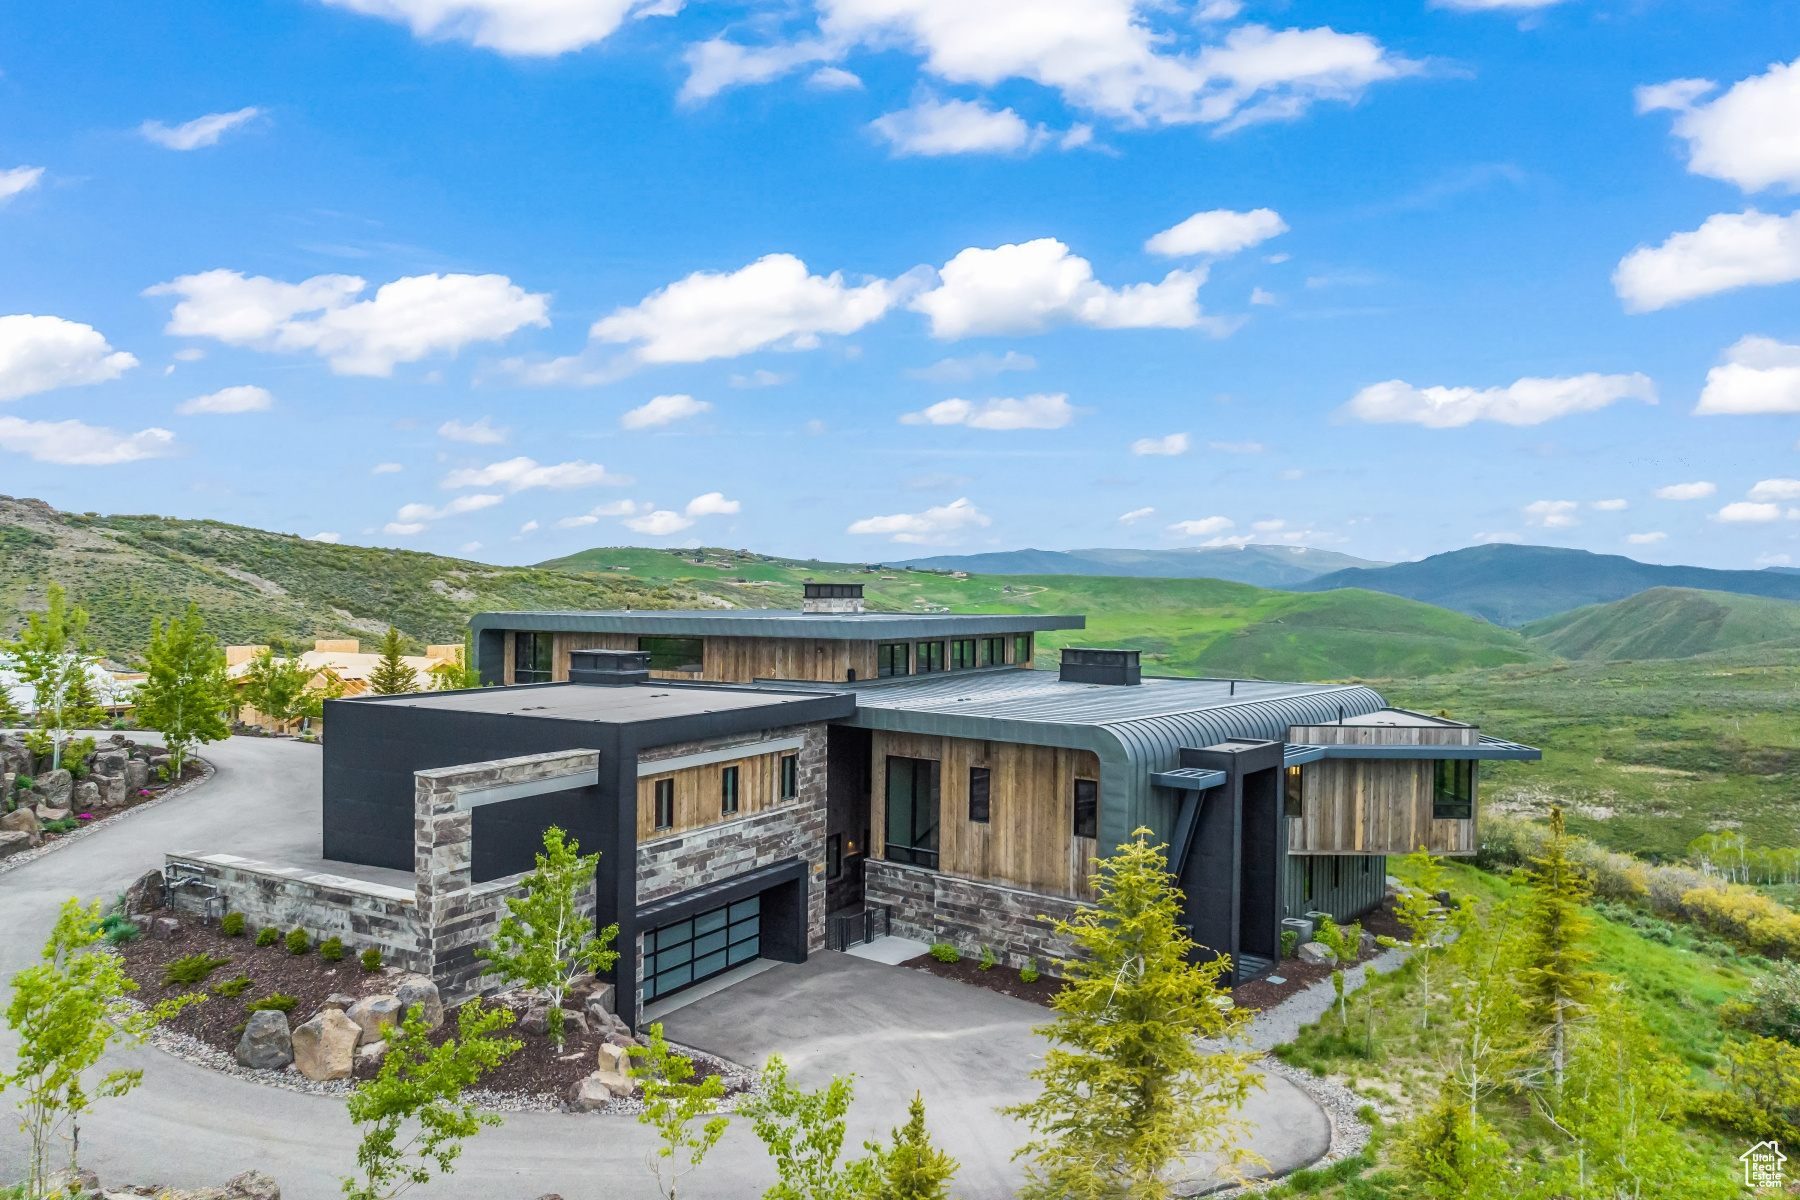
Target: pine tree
x=1127 y=1088
x=184 y=693
x=393 y=677
x=1556 y=981
x=913 y=1169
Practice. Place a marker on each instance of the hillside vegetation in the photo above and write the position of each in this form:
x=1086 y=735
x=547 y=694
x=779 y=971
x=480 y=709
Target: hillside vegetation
x=1265 y=566
x=1668 y=622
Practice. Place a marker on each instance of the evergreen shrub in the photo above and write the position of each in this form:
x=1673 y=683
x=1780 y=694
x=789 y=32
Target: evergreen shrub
x=297 y=941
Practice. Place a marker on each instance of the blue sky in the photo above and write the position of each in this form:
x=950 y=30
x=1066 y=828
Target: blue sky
x=869 y=279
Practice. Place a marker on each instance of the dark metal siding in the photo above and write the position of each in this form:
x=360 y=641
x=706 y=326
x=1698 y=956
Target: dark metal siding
x=1357 y=890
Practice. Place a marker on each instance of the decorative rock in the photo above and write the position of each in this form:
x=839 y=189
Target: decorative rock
x=164 y=929
x=614 y=1072
x=113 y=792
x=137 y=775
x=622 y=1040
x=85 y=797
x=22 y=820
x=252 y=1185
x=374 y=1015
x=536 y=1020
x=339 y=1000
x=72 y=1183
x=54 y=787
x=110 y=762
x=47 y=812
x=601 y=1000
x=12 y=841
x=372 y=1052
x=590 y=1093
x=266 y=1045
x=1316 y=952
x=148 y=894
x=574 y=1022
x=420 y=991
x=325 y=1047
x=1367 y=944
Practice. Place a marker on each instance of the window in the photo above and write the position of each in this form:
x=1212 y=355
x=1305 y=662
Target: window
x=696 y=949
x=665 y=804
x=1087 y=808
x=834 y=856
x=1021 y=649
x=533 y=655
x=1290 y=796
x=675 y=654
x=978 y=794
x=891 y=658
x=728 y=791
x=1367 y=860
x=1453 y=790
x=962 y=654
x=912 y=811
x=930 y=657
x=790 y=776
x=993 y=652
x=1337 y=864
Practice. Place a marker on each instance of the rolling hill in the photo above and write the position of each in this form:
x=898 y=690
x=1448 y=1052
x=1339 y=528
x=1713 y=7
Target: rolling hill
x=1666 y=622
x=1264 y=566
x=1513 y=585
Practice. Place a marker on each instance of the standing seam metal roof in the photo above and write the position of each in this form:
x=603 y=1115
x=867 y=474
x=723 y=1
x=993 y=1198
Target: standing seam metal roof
x=775 y=623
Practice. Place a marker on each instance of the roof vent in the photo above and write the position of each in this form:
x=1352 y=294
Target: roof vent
x=833 y=598
x=1118 y=667
x=609 y=668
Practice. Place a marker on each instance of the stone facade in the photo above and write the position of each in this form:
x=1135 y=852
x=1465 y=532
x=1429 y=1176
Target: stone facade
x=934 y=907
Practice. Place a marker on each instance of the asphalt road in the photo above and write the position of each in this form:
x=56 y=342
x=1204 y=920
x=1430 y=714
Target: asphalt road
x=898 y=1031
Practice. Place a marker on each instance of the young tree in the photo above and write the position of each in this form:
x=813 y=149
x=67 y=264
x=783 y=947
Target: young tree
x=392 y=676
x=419 y=1091
x=185 y=693
x=282 y=689
x=1556 y=981
x=544 y=941
x=51 y=654
x=912 y=1169
x=1425 y=919
x=1127 y=1089
x=804 y=1133
x=1345 y=941
x=451 y=674
x=66 y=1011
x=672 y=1103
x=10 y=716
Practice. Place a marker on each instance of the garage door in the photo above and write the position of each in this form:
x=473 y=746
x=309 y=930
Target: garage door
x=687 y=952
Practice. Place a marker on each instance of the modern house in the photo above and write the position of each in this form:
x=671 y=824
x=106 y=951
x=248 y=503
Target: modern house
x=761 y=769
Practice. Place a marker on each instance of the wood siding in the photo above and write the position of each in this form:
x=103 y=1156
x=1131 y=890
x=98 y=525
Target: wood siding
x=1373 y=806
x=697 y=794
x=1028 y=840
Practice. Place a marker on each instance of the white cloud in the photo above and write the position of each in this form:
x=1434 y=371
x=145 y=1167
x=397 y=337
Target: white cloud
x=528 y=527
x=404 y=528
x=577 y=522
x=713 y=504
x=537 y=28
x=1551 y=514
x=1291 y=473
x=189 y=354
x=1236 y=447
x=518 y=474
x=613 y=508
x=1482 y=539
x=1268 y=526
x=201 y=131
x=934 y=525
x=1760 y=375
x=74 y=444
x=1527 y=402
x=1162 y=447
x=834 y=79
x=1218 y=233
x=410 y=513
x=1259 y=296
x=1646 y=539
x=18 y=179
x=1028 y=287
x=1776 y=489
x=1773 y=560
x=330 y=539
x=976 y=366
x=1750 y=511
x=935 y=127
x=1202 y=527
x=660 y=523
x=1698 y=490
x=1036 y=411
x=664 y=410
x=1137 y=514
x=386 y=469
x=772 y=302
x=470 y=547
x=1729 y=250
x=41 y=353
x=1749 y=136
x=479 y=433
x=762 y=377
x=404 y=321
x=242 y=399
x=1610 y=505
x=1493 y=5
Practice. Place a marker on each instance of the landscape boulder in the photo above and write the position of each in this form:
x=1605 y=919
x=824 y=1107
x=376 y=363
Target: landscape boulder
x=1316 y=952
x=112 y=788
x=22 y=820
x=252 y=1185
x=164 y=929
x=85 y=797
x=325 y=1047
x=266 y=1045
x=420 y=991
x=372 y=1053
x=536 y=1020
x=148 y=894
x=72 y=1182
x=110 y=762
x=339 y=1000
x=137 y=775
x=54 y=787
x=51 y=812
x=375 y=1015
x=12 y=841
x=614 y=1071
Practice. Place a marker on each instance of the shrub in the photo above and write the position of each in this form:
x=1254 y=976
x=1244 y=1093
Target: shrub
x=62 y=826
x=1745 y=916
x=232 y=924
x=944 y=952
x=122 y=932
x=1764 y=1100
x=279 y=1001
x=185 y=972
x=1290 y=942
x=267 y=936
x=1029 y=972
x=371 y=959
x=233 y=987
x=988 y=957
x=1771 y=1007
x=332 y=949
x=298 y=942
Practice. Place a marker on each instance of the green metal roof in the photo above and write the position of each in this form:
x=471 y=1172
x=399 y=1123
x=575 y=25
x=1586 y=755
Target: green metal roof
x=773 y=623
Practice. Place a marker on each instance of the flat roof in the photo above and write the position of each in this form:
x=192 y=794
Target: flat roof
x=1405 y=718
x=605 y=704
x=775 y=623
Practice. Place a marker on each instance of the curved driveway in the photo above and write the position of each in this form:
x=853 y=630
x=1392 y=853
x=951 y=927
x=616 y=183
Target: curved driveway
x=967 y=1049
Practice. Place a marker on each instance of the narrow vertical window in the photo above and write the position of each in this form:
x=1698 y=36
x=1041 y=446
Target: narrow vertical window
x=1337 y=864
x=929 y=658
x=893 y=658
x=1290 y=797
x=1021 y=649
x=1087 y=808
x=790 y=776
x=665 y=804
x=962 y=654
x=728 y=791
x=978 y=794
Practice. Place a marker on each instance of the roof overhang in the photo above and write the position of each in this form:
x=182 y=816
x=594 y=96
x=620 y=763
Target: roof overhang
x=1188 y=779
x=865 y=626
x=1488 y=748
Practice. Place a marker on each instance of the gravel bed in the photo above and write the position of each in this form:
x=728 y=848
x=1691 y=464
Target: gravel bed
x=15 y=861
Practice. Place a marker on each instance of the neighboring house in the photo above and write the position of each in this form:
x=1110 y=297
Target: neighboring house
x=331 y=658
x=112 y=689
x=761 y=770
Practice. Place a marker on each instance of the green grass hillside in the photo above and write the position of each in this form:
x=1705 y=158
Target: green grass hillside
x=1667 y=622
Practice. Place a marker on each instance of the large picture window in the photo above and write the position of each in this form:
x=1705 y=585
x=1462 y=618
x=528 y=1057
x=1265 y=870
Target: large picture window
x=675 y=654
x=962 y=654
x=978 y=794
x=930 y=658
x=533 y=656
x=893 y=658
x=912 y=811
x=1453 y=790
x=1087 y=808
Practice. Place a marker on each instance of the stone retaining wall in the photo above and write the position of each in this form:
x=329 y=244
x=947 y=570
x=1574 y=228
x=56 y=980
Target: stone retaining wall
x=933 y=907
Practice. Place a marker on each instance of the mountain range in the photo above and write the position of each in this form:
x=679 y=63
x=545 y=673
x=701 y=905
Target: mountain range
x=1264 y=566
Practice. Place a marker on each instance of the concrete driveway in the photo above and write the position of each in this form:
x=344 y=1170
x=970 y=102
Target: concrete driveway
x=966 y=1049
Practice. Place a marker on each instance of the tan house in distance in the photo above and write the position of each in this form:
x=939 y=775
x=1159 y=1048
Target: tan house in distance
x=332 y=658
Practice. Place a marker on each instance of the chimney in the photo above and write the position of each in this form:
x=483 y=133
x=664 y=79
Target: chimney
x=609 y=668
x=833 y=598
x=1116 y=667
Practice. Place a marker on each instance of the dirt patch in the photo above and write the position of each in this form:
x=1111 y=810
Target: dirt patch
x=1004 y=980
x=1297 y=975
x=536 y=1070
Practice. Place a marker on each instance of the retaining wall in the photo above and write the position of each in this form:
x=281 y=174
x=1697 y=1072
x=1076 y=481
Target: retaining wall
x=933 y=907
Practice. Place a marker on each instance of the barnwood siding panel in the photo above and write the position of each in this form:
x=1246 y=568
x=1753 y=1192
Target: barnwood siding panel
x=1373 y=806
x=1028 y=840
x=742 y=659
x=697 y=794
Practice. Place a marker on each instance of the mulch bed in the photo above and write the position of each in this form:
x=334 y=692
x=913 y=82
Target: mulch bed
x=536 y=1070
x=1004 y=980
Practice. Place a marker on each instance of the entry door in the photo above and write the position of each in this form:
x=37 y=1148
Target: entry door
x=694 y=950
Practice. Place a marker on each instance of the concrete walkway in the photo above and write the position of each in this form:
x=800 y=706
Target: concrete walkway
x=966 y=1049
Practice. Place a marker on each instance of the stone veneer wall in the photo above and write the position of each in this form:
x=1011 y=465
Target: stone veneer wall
x=934 y=907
